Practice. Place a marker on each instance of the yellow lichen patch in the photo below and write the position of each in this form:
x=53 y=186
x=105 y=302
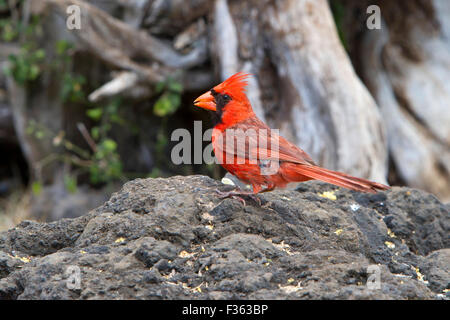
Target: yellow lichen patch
x=338 y=231
x=83 y=252
x=282 y=246
x=209 y=226
x=185 y=254
x=419 y=275
x=391 y=234
x=203 y=249
x=198 y=288
x=285 y=198
x=120 y=240
x=328 y=194
x=408 y=193
x=290 y=288
x=290 y=280
x=23 y=259
x=389 y=244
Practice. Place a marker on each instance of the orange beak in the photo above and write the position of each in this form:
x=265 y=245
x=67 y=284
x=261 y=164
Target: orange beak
x=206 y=101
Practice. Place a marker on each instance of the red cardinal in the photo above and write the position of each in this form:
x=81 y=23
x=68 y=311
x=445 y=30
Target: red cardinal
x=232 y=110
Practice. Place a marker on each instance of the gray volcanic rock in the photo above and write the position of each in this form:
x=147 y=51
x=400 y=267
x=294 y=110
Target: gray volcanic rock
x=176 y=239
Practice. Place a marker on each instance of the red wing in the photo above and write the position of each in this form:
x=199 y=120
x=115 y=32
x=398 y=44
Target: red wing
x=252 y=139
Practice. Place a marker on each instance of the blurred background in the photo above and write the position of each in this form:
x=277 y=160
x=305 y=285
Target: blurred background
x=90 y=91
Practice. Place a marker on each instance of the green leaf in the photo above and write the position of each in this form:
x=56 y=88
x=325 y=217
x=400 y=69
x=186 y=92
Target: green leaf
x=33 y=72
x=63 y=46
x=160 y=87
x=109 y=145
x=175 y=86
x=95 y=114
x=36 y=188
x=39 y=54
x=175 y=101
x=167 y=104
x=162 y=106
x=70 y=183
x=39 y=134
x=115 y=118
x=95 y=133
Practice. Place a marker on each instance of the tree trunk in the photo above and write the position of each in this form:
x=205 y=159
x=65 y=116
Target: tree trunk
x=406 y=66
x=304 y=83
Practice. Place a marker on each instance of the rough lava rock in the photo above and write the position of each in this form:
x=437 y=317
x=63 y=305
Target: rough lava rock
x=176 y=239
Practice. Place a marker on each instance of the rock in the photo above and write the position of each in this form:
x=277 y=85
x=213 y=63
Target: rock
x=175 y=239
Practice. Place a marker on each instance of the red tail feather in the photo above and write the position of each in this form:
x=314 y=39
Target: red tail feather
x=338 y=178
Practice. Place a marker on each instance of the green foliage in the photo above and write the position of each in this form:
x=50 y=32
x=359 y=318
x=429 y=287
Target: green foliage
x=70 y=183
x=106 y=165
x=170 y=99
x=72 y=88
x=35 y=130
x=95 y=133
x=161 y=140
x=62 y=48
x=36 y=188
x=8 y=31
x=102 y=160
x=95 y=113
x=12 y=27
x=27 y=65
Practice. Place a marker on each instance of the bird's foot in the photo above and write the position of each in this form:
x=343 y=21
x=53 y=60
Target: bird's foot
x=239 y=196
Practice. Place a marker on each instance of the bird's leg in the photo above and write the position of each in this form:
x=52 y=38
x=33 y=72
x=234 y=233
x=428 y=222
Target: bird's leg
x=269 y=188
x=238 y=195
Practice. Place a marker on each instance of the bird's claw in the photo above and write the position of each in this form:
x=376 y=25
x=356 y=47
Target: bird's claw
x=239 y=196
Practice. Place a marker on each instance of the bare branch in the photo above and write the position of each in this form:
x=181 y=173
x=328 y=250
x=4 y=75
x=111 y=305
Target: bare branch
x=121 y=82
x=87 y=136
x=119 y=44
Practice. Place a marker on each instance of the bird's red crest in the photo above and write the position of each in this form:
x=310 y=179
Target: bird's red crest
x=235 y=84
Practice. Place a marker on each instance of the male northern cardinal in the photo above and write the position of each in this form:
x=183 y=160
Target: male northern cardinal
x=232 y=111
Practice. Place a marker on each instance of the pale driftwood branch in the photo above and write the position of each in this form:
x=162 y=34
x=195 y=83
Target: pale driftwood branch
x=119 y=44
x=121 y=82
x=225 y=49
x=416 y=116
x=128 y=84
x=225 y=40
x=87 y=137
x=190 y=35
x=172 y=16
x=134 y=12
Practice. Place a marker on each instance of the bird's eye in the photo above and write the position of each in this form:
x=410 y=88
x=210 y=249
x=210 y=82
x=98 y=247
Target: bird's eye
x=226 y=97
